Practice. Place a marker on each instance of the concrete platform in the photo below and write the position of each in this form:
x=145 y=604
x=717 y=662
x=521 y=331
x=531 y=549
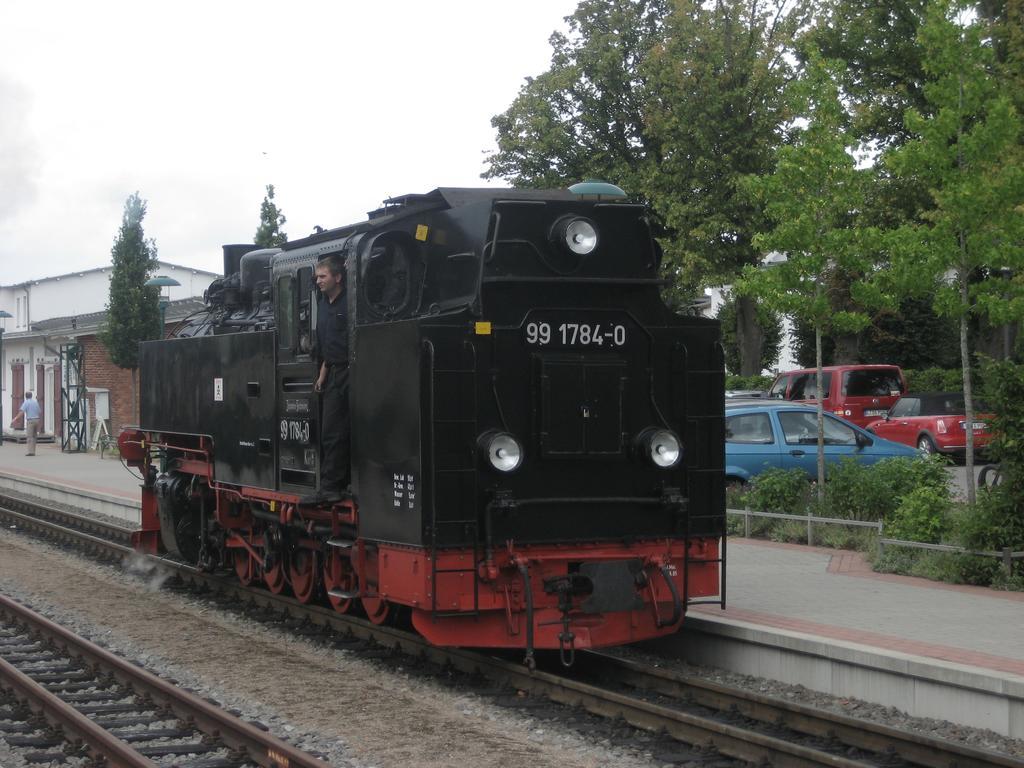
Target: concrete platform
x=805 y=615
x=79 y=479
x=822 y=619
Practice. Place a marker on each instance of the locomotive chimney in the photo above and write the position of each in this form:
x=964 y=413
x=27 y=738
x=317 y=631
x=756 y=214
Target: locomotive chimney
x=233 y=256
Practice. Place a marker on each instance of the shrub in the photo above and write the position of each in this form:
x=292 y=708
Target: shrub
x=748 y=382
x=873 y=492
x=935 y=380
x=922 y=515
x=789 y=532
x=842 y=537
x=996 y=521
x=779 y=490
x=998 y=517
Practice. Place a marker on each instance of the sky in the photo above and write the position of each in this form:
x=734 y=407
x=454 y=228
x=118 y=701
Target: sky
x=199 y=105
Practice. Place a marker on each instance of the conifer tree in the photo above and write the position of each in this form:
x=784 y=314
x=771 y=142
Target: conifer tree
x=269 y=234
x=132 y=313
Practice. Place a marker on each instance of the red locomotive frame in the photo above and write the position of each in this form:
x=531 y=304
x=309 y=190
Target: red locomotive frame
x=456 y=599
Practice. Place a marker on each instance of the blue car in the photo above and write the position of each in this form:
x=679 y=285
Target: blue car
x=760 y=436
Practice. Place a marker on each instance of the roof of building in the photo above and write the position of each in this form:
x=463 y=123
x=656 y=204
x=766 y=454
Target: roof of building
x=75 y=325
x=107 y=267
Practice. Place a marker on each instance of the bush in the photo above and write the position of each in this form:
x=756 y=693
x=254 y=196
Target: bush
x=779 y=490
x=935 y=380
x=842 y=537
x=922 y=515
x=789 y=532
x=748 y=382
x=858 y=491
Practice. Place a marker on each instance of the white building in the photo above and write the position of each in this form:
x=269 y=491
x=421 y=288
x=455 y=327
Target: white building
x=712 y=302
x=31 y=356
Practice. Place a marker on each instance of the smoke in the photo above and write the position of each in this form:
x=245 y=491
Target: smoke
x=147 y=569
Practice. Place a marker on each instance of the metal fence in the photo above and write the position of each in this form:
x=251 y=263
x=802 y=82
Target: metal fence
x=1007 y=556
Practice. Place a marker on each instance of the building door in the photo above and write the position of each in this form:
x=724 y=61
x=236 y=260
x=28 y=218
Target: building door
x=40 y=396
x=17 y=387
x=58 y=422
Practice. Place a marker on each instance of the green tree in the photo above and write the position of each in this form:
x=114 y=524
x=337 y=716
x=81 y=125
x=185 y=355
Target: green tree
x=269 y=234
x=717 y=110
x=585 y=116
x=675 y=102
x=768 y=321
x=814 y=197
x=967 y=155
x=131 y=312
x=883 y=75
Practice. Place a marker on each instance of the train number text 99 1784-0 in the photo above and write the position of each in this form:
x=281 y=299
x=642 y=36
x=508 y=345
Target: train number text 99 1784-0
x=576 y=334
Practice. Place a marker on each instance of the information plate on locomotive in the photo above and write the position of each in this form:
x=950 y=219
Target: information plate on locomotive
x=566 y=330
x=294 y=430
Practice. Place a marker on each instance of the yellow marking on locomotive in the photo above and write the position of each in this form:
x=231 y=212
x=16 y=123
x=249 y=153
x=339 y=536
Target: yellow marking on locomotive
x=421 y=232
x=483 y=328
x=273 y=506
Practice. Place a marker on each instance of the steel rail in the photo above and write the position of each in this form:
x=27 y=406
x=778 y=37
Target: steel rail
x=101 y=744
x=83 y=523
x=863 y=734
x=730 y=740
x=261 y=747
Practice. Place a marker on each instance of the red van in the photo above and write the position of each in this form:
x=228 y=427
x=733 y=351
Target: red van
x=857 y=393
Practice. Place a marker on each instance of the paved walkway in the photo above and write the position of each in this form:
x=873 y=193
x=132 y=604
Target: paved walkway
x=834 y=594
x=815 y=591
x=79 y=470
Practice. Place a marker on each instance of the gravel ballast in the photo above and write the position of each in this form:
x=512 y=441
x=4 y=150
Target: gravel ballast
x=355 y=711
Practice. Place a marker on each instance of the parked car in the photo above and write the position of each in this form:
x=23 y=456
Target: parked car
x=857 y=393
x=732 y=394
x=764 y=435
x=934 y=422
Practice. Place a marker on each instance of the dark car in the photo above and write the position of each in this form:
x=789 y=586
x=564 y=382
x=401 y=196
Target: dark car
x=934 y=422
x=766 y=435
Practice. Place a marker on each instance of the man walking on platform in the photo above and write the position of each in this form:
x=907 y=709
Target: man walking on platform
x=331 y=353
x=32 y=414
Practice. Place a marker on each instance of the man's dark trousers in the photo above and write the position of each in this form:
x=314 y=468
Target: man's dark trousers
x=335 y=431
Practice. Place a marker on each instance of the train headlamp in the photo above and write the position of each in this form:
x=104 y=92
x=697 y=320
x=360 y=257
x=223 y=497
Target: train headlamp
x=576 y=234
x=661 y=447
x=502 y=451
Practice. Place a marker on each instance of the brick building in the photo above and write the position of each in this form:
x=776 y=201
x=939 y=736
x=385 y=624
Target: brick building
x=108 y=388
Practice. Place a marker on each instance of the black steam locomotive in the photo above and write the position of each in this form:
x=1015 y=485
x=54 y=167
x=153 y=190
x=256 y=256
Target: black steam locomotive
x=537 y=449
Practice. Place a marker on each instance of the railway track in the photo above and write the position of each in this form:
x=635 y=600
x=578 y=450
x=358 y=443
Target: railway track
x=732 y=722
x=72 y=698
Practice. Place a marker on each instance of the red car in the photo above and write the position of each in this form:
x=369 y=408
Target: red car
x=934 y=422
x=858 y=393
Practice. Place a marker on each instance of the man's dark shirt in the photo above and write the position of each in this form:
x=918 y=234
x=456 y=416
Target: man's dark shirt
x=332 y=330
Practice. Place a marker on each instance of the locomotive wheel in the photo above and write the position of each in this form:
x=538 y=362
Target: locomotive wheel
x=274 y=577
x=338 y=575
x=303 y=572
x=245 y=567
x=378 y=610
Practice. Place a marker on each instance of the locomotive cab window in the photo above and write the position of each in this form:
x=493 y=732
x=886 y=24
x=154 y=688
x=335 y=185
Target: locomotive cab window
x=387 y=276
x=285 y=312
x=305 y=311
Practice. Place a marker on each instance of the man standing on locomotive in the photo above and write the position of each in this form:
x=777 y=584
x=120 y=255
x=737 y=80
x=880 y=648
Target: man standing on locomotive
x=331 y=353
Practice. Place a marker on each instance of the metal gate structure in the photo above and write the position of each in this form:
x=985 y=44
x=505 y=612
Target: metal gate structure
x=72 y=398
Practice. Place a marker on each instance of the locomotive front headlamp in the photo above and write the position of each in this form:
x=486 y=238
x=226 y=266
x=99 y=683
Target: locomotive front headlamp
x=576 y=234
x=661 y=447
x=502 y=451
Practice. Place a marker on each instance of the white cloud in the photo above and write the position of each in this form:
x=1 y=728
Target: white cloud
x=199 y=105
